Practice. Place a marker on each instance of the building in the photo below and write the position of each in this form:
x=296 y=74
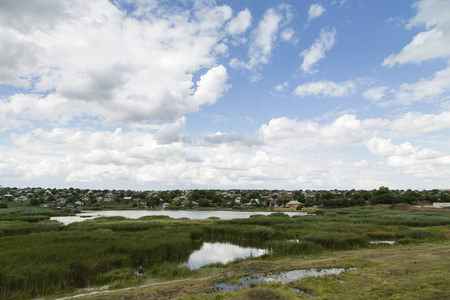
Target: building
x=293 y=204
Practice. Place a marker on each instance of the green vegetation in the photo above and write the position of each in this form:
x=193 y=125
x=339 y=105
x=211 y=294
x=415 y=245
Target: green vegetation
x=39 y=257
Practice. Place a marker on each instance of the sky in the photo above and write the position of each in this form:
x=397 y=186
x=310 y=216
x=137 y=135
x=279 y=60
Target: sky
x=238 y=94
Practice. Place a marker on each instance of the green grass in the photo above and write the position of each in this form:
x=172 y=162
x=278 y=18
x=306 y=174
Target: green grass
x=40 y=257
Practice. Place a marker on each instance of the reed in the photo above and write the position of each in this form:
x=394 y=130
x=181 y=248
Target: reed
x=293 y=247
x=46 y=262
x=337 y=240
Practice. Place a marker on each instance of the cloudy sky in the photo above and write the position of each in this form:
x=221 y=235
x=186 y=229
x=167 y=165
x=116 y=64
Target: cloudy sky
x=161 y=94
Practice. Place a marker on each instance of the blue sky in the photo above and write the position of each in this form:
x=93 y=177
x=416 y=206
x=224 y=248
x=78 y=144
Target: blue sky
x=158 y=94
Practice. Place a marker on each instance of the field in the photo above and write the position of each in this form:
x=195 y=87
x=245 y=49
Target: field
x=98 y=258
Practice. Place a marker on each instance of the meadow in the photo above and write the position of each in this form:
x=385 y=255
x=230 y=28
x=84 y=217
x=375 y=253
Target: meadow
x=42 y=258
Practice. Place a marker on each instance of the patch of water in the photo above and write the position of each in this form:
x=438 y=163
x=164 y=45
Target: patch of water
x=383 y=242
x=175 y=214
x=211 y=253
x=283 y=277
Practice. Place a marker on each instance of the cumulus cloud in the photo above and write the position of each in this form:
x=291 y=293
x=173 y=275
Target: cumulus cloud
x=240 y=23
x=315 y=11
x=418 y=123
x=407 y=156
x=170 y=132
x=325 y=88
x=316 y=52
x=424 y=89
x=429 y=44
x=238 y=138
x=119 y=68
x=281 y=153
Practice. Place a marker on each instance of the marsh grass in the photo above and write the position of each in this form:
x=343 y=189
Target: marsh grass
x=46 y=262
x=292 y=247
x=41 y=257
x=338 y=240
x=170 y=270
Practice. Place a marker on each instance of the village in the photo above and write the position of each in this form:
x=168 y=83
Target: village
x=232 y=199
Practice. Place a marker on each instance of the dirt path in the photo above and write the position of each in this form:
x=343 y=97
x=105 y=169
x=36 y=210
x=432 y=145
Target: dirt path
x=103 y=292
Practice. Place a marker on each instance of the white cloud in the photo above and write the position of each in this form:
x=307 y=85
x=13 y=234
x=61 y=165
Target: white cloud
x=281 y=87
x=287 y=34
x=325 y=88
x=418 y=123
x=315 y=11
x=93 y=59
x=375 y=94
x=425 y=89
x=316 y=52
x=264 y=38
x=430 y=44
x=240 y=23
x=170 y=132
x=408 y=157
x=384 y=147
x=282 y=153
x=236 y=138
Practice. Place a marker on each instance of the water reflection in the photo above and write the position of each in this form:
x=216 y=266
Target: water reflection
x=383 y=242
x=211 y=253
x=283 y=277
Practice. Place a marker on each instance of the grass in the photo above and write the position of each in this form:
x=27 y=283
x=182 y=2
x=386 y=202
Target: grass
x=402 y=272
x=42 y=257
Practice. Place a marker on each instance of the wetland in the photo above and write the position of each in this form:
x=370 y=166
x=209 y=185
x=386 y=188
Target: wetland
x=98 y=258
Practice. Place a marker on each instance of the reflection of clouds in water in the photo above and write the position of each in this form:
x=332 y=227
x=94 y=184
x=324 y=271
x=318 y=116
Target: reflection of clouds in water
x=220 y=252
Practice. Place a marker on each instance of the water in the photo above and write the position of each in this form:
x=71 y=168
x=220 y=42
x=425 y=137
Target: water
x=383 y=242
x=283 y=277
x=211 y=253
x=175 y=214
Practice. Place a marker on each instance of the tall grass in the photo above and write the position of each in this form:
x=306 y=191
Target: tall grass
x=43 y=263
x=337 y=240
x=43 y=257
x=293 y=247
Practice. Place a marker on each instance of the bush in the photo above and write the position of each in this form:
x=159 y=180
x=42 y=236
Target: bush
x=171 y=270
x=292 y=247
x=337 y=240
x=3 y=205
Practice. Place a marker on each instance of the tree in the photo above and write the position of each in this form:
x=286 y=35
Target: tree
x=152 y=201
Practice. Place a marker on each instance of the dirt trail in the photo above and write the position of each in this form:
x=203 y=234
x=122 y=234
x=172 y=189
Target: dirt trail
x=103 y=292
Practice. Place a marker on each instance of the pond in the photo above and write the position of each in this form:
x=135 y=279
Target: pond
x=175 y=214
x=224 y=253
x=283 y=277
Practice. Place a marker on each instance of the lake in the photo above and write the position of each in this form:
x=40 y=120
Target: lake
x=174 y=214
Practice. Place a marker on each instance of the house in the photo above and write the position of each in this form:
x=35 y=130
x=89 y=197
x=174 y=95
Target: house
x=293 y=204
x=9 y=196
x=273 y=202
x=310 y=194
x=441 y=204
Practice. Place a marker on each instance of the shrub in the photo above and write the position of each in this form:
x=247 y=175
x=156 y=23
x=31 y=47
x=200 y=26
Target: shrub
x=337 y=240
x=171 y=270
x=292 y=247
